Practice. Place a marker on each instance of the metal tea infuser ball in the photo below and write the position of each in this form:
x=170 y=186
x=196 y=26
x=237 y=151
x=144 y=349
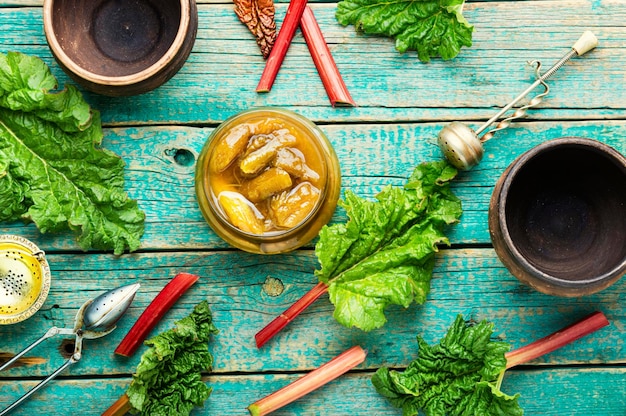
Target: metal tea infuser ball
x=462 y=146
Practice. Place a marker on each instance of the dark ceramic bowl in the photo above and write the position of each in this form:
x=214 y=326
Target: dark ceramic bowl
x=120 y=47
x=557 y=217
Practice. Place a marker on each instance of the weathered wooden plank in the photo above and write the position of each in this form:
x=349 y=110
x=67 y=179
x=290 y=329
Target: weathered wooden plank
x=471 y=282
x=580 y=391
x=402 y=105
x=386 y=85
x=163 y=181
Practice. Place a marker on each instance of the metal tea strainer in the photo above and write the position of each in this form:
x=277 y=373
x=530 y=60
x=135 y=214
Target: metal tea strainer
x=462 y=146
x=96 y=318
x=24 y=279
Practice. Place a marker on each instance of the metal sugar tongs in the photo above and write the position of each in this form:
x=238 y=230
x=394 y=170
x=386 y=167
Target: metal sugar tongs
x=461 y=145
x=95 y=319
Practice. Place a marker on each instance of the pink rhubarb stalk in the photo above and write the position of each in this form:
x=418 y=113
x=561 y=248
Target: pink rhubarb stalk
x=281 y=45
x=154 y=312
x=306 y=384
x=556 y=340
x=289 y=315
x=329 y=73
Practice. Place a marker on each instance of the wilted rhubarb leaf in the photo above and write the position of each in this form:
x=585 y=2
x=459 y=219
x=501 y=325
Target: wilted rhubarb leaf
x=168 y=380
x=433 y=28
x=459 y=376
x=52 y=169
x=258 y=16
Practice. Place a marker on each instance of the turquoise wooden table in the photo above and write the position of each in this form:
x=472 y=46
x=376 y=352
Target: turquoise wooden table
x=401 y=106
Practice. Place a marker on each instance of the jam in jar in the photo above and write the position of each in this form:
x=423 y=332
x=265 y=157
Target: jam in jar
x=267 y=180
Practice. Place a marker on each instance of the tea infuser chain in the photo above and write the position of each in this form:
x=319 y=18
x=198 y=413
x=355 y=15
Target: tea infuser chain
x=461 y=145
x=521 y=111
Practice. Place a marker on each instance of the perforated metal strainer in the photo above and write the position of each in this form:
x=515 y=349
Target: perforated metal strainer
x=24 y=279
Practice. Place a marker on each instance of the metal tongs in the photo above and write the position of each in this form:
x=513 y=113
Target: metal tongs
x=95 y=319
x=461 y=145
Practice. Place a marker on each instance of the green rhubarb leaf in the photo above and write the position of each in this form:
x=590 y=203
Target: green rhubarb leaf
x=433 y=28
x=460 y=376
x=12 y=193
x=53 y=171
x=384 y=254
x=168 y=380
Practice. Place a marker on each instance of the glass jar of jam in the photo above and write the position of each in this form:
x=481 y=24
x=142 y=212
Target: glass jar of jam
x=267 y=180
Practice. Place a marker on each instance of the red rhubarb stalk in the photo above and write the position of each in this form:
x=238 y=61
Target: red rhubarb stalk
x=329 y=73
x=281 y=45
x=154 y=312
x=556 y=340
x=289 y=315
x=306 y=384
x=119 y=408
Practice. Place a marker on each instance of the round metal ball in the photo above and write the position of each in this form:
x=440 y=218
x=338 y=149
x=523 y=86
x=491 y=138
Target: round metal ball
x=460 y=145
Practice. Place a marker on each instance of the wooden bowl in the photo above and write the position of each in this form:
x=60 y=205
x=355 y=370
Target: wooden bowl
x=557 y=217
x=120 y=47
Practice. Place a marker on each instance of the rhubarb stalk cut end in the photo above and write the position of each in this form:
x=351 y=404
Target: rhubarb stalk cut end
x=289 y=315
x=562 y=337
x=309 y=382
x=281 y=45
x=119 y=408
x=326 y=67
x=166 y=298
x=254 y=410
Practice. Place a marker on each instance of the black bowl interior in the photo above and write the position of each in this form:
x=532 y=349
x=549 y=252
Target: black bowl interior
x=566 y=212
x=115 y=37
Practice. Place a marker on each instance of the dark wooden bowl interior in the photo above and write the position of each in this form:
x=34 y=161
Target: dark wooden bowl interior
x=115 y=37
x=566 y=212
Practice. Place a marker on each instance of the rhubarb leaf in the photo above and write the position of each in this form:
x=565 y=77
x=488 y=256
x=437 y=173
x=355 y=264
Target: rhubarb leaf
x=168 y=380
x=52 y=169
x=384 y=254
x=258 y=16
x=433 y=28
x=458 y=376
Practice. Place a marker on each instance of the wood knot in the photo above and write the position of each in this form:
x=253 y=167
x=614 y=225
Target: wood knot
x=273 y=286
x=182 y=157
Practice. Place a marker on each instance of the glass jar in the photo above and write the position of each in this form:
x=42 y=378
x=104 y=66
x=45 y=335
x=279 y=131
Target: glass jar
x=267 y=180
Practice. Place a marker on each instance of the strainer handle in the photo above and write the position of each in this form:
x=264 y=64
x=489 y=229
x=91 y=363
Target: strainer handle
x=584 y=44
x=51 y=332
x=43 y=382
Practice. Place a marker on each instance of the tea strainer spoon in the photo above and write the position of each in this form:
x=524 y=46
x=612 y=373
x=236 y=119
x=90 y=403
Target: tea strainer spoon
x=96 y=318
